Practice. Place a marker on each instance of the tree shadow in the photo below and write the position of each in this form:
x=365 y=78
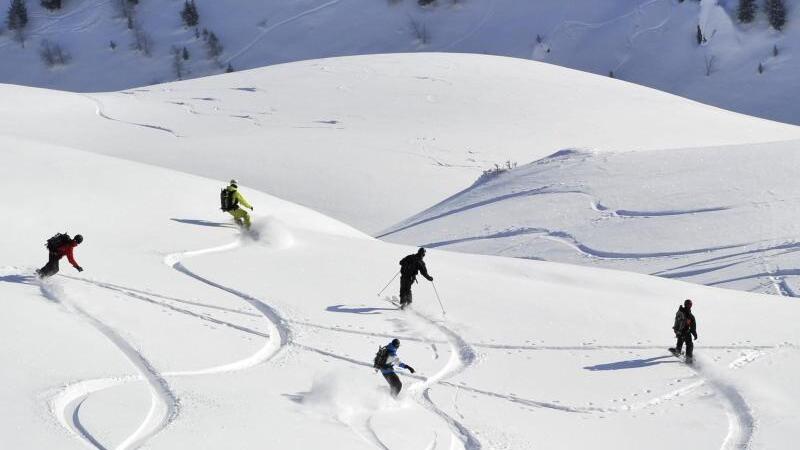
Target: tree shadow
x=366 y=310
x=632 y=364
x=204 y=223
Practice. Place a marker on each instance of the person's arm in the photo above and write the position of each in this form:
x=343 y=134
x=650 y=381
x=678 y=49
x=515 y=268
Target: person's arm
x=242 y=200
x=424 y=271
x=694 y=328
x=71 y=257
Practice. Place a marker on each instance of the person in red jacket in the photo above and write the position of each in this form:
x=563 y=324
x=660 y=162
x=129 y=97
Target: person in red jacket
x=57 y=251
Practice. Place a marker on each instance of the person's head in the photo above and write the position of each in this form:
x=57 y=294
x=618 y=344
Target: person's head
x=78 y=239
x=687 y=304
x=234 y=183
x=421 y=252
x=395 y=343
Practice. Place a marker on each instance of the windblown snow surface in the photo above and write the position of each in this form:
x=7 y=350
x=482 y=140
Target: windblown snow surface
x=183 y=332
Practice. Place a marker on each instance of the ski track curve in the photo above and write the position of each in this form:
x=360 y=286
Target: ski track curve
x=462 y=356
x=269 y=29
x=164 y=404
x=100 y=111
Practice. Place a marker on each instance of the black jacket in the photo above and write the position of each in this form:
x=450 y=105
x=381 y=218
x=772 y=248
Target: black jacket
x=685 y=323
x=411 y=265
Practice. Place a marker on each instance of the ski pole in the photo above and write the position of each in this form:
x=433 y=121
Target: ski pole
x=437 y=298
x=387 y=284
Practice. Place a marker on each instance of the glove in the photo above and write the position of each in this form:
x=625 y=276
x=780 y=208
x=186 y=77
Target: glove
x=430 y=279
x=410 y=369
x=695 y=337
x=79 y=268
x=251 y=208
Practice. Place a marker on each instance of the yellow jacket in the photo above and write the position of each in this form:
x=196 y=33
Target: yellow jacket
x=239 y=197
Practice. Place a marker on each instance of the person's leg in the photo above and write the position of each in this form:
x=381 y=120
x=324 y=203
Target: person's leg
x=689 y=347
x=405 y=290
x=679 y=345
x=51 y=268
x=246 y=218
x=395 y=385
x=235 y=218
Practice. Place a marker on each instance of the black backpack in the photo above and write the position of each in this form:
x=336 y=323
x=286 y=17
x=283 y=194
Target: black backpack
x=57 y=241
x=227 y=199
x=408 y=264
x=380 y=358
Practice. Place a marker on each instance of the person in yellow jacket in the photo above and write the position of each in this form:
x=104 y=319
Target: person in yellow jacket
x=231 y=200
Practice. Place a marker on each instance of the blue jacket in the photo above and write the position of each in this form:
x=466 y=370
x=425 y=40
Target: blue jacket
x=392 y=361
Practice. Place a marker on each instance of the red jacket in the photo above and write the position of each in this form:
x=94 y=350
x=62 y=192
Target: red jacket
x=66 y=250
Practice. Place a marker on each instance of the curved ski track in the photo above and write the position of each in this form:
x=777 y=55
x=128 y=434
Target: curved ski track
x=164 y=405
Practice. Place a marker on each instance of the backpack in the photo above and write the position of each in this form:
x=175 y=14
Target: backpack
x=227 y=199
x=407 y=264
x=57 y=241
x=380 y=358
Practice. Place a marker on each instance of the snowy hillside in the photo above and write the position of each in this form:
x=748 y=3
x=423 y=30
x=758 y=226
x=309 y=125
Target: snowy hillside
x=393 y=134
x=183 y=334
x=90 y=45
x=720 y=216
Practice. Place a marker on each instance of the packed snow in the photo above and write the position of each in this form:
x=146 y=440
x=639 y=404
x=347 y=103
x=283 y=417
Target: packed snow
x=186 y=332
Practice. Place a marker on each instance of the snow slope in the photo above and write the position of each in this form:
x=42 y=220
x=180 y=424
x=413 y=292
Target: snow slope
x=393 y=134
x=181 y=333
x=651 y=42
x=720 y=216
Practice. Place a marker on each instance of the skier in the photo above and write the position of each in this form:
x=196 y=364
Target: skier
x=386 y=360
x=685 y=328
x=59 y=246
x=231 y=198
x=409 y=267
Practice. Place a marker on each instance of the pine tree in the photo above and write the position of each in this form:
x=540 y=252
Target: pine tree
x=185 y=54
x=776 y=13
x=760 y=68
x=229 y=69
x=747 y=10
x=189 y=13
x=17 y=15
x=213 y=45
x=700 y=37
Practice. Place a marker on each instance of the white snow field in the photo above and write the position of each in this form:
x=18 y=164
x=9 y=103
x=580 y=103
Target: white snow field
x=184 y=333
x=651 y=42
x=391 y=134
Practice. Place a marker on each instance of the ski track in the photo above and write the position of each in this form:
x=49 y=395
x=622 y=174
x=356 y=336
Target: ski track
x=462 y=356
x=754 y=352
x=269 y=29
x=164 y=404
x=100 y=111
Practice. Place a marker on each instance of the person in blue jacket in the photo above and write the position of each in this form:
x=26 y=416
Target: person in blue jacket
x=388 y=368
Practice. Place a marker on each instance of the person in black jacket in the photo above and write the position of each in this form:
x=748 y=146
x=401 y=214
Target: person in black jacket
x=685 y=328
x=410 y=266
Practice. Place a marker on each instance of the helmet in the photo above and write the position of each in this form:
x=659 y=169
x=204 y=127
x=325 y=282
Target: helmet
x=395 y=342
x=234 y=182
x=687 y=303
x=78 y=238
x=421 y=251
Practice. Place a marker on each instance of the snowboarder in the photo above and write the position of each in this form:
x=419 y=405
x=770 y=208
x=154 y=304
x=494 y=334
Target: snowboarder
x=386 y=360
x=409 y=267
x=230 y=199
x=59 y=246
x=685 y=328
